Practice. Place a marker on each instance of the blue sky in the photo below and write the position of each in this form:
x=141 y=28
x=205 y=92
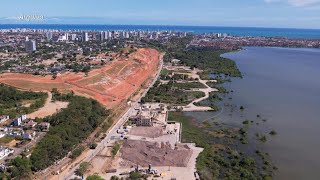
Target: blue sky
x=240 y=13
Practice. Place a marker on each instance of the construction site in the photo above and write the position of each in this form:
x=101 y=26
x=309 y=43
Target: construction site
x=110 y=85
x=152 y=148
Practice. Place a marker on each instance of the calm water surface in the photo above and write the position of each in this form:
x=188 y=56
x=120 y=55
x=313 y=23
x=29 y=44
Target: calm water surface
x=283 y=86
x=238 y=31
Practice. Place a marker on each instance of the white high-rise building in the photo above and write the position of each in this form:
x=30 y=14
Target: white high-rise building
x=140 y=35
x=122 y=34
x=127 y=35
x=30 y=45
x=49 y=36
x=108 y=35
x=73 y=37
x=66 y=36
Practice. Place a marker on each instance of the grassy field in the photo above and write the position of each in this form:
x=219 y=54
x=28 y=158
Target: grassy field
x=166 y=93
x=189 y=85
x=5 y=140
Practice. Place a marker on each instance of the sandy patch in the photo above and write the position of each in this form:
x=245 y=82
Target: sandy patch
x=151 y=132
x=49 y=108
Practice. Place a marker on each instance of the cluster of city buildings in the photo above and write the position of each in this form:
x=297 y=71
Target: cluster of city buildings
x=9 y=36
x=21 y=127
x=222 y=41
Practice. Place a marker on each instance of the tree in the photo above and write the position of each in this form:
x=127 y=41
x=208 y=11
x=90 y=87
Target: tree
x=83 y=168
x=135 y=175
x=21 y=168
x=93 y=145
x=114 y=178
x=54 y=76
x=95 y=177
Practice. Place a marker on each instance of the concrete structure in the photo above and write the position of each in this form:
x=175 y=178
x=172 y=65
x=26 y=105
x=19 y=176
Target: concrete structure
x=73 y=37
x=4 y=118
x=3 y=132
x=5 y=152
x=30 y=124
x=44 y=126
x=49 y=36
x=144 y=118
x=108 y=35
x=17 y=122
x=85 y=36
x=127 y=35
x=29 y=135
x=101 y=36
x=30 y=45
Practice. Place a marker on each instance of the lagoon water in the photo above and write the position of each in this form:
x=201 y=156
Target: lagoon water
x=283 y=86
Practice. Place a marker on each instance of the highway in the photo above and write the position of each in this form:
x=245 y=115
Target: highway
x=113 y=130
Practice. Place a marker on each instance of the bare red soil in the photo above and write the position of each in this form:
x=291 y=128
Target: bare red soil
x=109 y=85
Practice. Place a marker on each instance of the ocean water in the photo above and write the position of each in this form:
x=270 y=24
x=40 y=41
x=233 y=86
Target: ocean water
x=282 y=85
x=236 y=31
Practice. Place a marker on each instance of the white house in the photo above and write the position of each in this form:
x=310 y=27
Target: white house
x=5 y=152
x=4 y=118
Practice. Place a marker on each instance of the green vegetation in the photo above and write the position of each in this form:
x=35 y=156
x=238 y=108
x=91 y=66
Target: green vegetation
x=77 y=152
x=114 y=178
x=273 y=132
x=189 y=85
x=83 y=168
x=168 y=93
x=11 y=101
x=94 y=177
x=93 y=145
x=206 y=59
x=115 y=149
x=105 y=126
x=210 y=61
x=135 y=176
x=20 y=168
x=223 y=163
x=263 y=139
x=69 y=128
x=6 y=140
x=213 y=99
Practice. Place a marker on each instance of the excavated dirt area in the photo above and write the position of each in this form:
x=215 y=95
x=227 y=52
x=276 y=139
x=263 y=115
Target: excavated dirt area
x=151 y=132
x=110 y=85
x=144 y=153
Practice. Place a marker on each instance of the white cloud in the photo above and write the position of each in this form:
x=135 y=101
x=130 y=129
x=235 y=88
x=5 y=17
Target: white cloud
x=296 y=3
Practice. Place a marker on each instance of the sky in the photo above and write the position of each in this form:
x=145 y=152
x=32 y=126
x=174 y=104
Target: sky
x=235 y=13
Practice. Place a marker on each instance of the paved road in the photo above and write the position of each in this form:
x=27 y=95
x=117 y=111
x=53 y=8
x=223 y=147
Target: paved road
x=113 y=131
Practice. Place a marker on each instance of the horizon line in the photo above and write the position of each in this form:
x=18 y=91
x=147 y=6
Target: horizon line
x=216 y=26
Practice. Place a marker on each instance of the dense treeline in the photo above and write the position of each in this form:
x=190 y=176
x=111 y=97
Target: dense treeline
x=11 y=101
x=208 y=60
x=69 y=128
